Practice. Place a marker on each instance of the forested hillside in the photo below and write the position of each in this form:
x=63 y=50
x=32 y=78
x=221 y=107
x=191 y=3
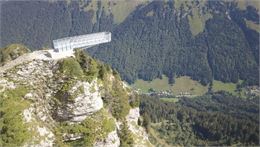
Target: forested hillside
x=164 y=43
x=205 y=40
x=215 y=120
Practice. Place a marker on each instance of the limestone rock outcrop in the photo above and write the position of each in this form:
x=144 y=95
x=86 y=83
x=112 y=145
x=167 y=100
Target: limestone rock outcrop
x=112 y=140
x=40 y=80
x=132 y=121
x=85 y=103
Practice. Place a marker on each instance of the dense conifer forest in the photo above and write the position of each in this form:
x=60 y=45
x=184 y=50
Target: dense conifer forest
x=213 y=119
x=206 y=41
x=155 y=39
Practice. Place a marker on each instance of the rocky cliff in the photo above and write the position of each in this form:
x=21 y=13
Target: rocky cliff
x=74 y=101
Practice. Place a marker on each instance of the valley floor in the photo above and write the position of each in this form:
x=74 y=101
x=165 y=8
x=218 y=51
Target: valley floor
x=185 y=86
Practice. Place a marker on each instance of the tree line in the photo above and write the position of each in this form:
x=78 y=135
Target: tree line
x=217 y=119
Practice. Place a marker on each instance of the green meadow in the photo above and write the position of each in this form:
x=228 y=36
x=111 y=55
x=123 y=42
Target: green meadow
x=184 y=84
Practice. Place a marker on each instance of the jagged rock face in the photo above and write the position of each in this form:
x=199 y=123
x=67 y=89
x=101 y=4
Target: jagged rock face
x=133 y=115
x=6 y=85
x=84 y=104
x=38 y=75
x=132 y=121
x=112 y=140
x=43 y=81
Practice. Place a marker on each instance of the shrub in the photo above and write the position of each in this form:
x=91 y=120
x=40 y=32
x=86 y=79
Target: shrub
x=71 y=68
x=97 y=126
x=134 y=100
x=63 y=95
x=120 y=104
x=126 y=137
x=13 y=131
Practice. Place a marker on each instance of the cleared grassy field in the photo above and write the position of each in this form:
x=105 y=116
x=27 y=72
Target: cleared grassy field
x=197 y=21
x=120 y=8
x=242 y=4
x=123 y=8
x=156 y=84
x=229 y=87
x=186 y=84
x=182 y=84
x=253 y=26
x=174 y=100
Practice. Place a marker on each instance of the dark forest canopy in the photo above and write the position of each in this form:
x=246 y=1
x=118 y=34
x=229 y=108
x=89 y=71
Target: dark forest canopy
x=214 y=120
x=147 y=46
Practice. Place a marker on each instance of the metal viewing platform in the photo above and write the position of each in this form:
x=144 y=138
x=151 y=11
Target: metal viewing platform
x=82 y=41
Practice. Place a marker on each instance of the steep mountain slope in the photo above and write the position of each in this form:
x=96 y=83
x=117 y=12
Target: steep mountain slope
x=205 y=40
x=164 y=44
x=74 y=101
x=216 y=119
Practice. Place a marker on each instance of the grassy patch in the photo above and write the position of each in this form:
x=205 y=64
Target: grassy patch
x=242 y=4
x=150 y=13
x=253 y=26
x=182 y=84
x=14 y=132
x=172 y=99
x=221 y=86
x=186 y=84
x=179 y=3
x=92 y=6
x=120 y=9
x=197 y=21
x=156 y=84
x=229 y=87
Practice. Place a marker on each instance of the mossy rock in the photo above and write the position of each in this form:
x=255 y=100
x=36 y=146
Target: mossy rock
x=96 y=126
x=12 y=52
x=63 y=96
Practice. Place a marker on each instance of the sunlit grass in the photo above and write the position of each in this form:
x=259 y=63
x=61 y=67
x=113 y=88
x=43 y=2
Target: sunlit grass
x=242 y=4
x=253 y=26
x=182 y=84
x=197 y=21
x=172 y=99
x=120 y=9
x=219 y=86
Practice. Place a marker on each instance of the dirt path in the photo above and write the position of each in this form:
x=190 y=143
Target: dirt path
x=25 y=58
